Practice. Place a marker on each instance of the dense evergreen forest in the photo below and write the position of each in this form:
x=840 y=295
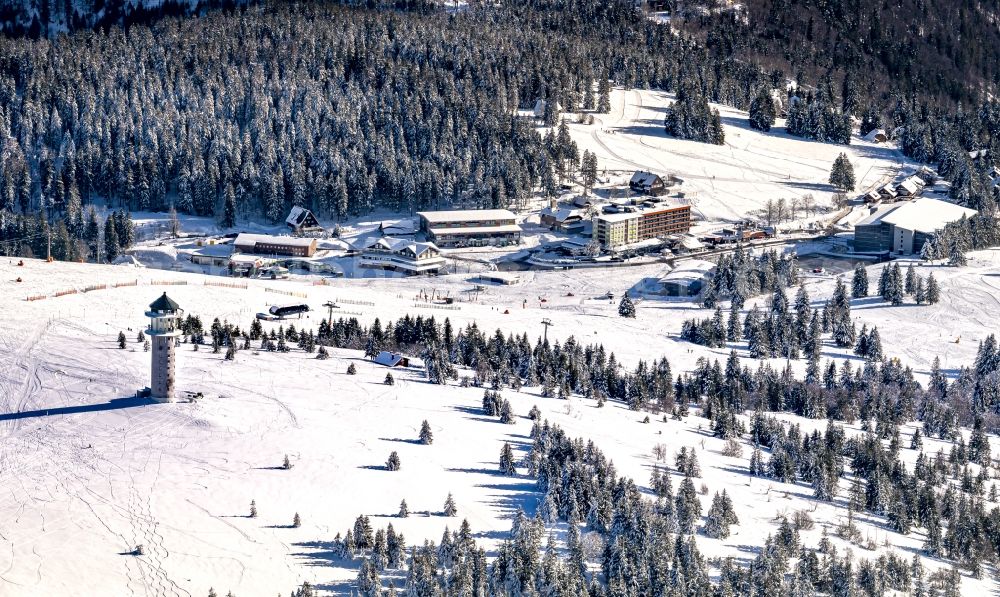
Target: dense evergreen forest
x=942 y=49
x=47 y=18
x=245 y=112
x=338 y=108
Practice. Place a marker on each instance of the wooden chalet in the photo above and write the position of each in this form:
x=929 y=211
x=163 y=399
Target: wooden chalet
x=302 y=221
x=647 y=183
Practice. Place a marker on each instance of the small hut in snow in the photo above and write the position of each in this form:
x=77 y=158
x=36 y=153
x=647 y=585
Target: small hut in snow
x=392 y=359
x=876 y=136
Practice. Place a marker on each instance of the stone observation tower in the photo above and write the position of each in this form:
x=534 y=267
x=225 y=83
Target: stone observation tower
x=164 y=323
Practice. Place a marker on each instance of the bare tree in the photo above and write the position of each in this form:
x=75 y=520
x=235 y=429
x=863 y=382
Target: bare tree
x=782 y=210
x=809 y=204
x=175 y=223
x=770 y=211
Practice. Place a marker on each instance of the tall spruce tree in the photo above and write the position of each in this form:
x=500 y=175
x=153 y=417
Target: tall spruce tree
x=762 y=112
x=842 y=173
x=859 y=283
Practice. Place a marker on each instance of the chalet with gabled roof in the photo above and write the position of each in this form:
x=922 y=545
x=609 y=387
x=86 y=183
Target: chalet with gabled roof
x=302 y=221
x=647 y=183
x=402 y=255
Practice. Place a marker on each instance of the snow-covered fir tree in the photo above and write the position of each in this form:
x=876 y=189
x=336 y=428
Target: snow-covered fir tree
x=690 y=117
x=507 y=465
x=426 y=434
x=450 y=509
x=721 y=515
x=762 y=112
x=842 y=173
x=626 y=308
x=859 y=282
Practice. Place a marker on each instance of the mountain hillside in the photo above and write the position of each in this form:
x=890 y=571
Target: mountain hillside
x=941 y=48
x=37 y=18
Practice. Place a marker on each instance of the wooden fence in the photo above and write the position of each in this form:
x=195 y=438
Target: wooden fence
x=239 y=285
x=354 y=302
x=441 y=307
x=287 y=292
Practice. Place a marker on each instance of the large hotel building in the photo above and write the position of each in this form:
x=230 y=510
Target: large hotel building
x=637 y=224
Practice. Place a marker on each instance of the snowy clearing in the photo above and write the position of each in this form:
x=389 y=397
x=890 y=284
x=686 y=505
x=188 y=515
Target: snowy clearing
x=90 y=473
x=733 y=181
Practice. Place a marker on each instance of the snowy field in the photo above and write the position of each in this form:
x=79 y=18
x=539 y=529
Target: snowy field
x=733 y=181
x=87 y=473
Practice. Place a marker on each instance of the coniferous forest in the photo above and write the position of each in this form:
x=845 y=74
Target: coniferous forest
x=243 y=112
x=940 y=49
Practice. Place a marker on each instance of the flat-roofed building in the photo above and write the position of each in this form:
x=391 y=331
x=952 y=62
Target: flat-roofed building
x=615 y=230
x=470 y=227
x=688 y=278
x=212 y=254
x=664 y=220
x=503 y=278
x=266 y=244
x=903 y=228
x=638 y=224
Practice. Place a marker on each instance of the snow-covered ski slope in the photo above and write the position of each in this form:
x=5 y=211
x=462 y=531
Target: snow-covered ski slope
x=733 y=181
x=87 y=474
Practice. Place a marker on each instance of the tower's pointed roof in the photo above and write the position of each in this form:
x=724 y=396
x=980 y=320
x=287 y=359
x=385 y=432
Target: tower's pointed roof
x=164 y=303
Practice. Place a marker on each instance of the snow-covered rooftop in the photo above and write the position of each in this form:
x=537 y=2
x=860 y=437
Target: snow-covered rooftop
x=561 y=214
x=466 y=215
x=245 y=259
x=388 y=358
x=245 y=238
x=690 y=242
x=643 y=178
x=876 y=216
x=296 y=216
x=503 y=277
x=638 y=210
x=619 y=217
x=213 y=250
x=926 y=215
x=503 y=228
x=911 y=185
x=692 y=269
x=874 y=134
x=394 y=244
